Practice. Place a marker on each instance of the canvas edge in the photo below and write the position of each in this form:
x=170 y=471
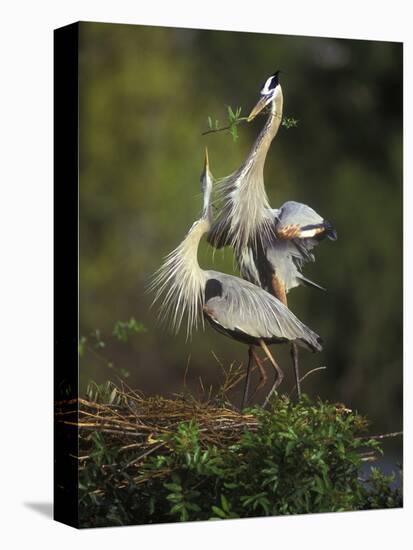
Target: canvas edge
x=65 y=248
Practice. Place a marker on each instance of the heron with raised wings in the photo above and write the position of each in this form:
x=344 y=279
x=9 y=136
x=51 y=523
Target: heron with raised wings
x=233 y=306
x=270 y=245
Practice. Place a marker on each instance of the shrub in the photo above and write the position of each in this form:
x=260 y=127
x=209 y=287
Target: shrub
x=158 y=460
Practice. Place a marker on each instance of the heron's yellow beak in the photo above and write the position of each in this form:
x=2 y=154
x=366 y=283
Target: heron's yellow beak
x=262 y=102
x=206 y=174
x=206 y=161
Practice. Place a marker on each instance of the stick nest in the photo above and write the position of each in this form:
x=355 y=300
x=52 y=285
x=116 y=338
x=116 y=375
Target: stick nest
x=130 y=421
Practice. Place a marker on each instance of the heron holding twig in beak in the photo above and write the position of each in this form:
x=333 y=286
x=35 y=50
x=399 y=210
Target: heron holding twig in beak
x=270 y=245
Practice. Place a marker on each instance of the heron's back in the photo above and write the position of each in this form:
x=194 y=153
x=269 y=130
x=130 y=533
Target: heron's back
x=238 y=307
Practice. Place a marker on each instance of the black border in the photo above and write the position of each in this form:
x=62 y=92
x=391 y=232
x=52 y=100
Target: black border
x=66 y=261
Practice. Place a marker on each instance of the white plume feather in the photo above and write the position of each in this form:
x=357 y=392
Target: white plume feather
x=179 y=283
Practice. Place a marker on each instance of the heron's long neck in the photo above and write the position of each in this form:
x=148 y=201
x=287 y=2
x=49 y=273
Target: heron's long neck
x=180 y=282
x=260 y=148
x=250 y=204
x=188 y=249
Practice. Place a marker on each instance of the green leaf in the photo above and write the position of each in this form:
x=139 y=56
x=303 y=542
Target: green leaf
x=177 y=508
x=174 y=497
x=289 y=447
x=174 y=487
x=224 y=503
x=218 y=512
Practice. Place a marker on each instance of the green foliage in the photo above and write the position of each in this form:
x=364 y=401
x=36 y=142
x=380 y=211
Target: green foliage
x=380 y=493
x=213 y=125
x=124 y=329
x=234 y=118
x=301 y=458
x=289 y=122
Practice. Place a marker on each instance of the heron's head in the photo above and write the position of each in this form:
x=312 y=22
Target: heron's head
x=267 y=94
x=206 y=186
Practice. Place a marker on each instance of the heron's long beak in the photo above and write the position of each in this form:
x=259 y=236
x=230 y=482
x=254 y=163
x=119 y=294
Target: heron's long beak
x=206 y=186
x=205 y=172
x=262 y=102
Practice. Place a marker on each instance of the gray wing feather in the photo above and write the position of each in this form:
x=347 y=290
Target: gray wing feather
x=292 y=212
x=289 y=256
x=287 y=259
x=248 y=308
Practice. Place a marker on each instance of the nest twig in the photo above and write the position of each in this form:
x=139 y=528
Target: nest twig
x=134 y=422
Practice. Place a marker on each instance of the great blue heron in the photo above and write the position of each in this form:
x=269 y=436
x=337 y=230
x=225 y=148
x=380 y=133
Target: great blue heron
x=270 y=245
x=231 y=305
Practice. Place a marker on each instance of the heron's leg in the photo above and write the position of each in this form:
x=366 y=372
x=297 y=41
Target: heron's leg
x=279 y=291
x=248 y=377
x=280 y=373
x=294 y=355
x=263 y=374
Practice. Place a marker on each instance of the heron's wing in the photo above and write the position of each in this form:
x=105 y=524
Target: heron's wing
x=299 y=229
x=298 y=213
x=237 y=305
x=282 y=257
x=299 y=221
x=287 y=258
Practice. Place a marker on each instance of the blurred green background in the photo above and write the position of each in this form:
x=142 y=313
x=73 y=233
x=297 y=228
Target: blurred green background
x=145 y=96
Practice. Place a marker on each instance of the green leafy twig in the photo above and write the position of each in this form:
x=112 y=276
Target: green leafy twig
x=235 y=118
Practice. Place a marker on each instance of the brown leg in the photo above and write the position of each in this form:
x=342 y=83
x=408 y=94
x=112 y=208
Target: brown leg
x=280 y=373
x=248 y=377
x=279 y=292
x=294 y=355
x=263 y=375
